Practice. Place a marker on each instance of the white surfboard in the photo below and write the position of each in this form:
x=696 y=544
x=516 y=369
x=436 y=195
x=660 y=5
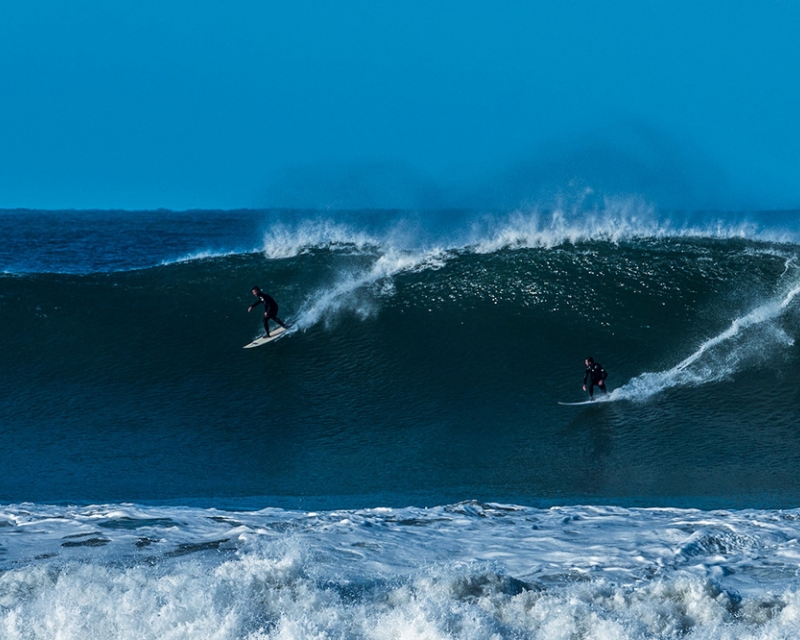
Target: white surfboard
x=274 y=335
x=578 y=404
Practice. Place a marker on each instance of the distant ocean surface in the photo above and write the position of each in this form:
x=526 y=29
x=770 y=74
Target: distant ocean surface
x=398 y=465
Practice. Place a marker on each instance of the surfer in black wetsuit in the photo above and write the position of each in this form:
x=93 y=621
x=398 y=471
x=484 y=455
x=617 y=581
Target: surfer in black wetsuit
x=594 y=375
x=270 y=308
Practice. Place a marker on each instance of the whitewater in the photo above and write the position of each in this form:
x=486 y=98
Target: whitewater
x=398 y=465
x=468 y=570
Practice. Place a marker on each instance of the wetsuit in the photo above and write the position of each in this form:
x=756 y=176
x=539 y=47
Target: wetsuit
x=270 y=309
x=595 y=374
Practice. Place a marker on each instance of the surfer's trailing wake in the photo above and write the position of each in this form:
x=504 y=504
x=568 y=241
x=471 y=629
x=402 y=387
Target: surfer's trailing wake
x=747 y=339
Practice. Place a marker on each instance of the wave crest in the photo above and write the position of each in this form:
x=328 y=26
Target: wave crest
x=618 y=220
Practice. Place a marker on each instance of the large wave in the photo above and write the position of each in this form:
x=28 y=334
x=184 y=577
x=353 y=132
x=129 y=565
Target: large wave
x=412 y=334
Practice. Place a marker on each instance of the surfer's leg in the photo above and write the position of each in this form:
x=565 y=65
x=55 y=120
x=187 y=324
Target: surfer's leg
x=272 y=312
x=266 y=323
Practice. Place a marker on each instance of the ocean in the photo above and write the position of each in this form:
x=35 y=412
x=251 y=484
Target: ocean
x=398 y=465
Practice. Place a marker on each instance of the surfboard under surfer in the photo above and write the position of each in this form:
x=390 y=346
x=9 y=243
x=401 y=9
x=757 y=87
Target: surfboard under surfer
x=594 y=375
x=270 y=308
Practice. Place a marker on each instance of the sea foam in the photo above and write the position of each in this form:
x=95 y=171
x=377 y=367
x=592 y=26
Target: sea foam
x=469 y=570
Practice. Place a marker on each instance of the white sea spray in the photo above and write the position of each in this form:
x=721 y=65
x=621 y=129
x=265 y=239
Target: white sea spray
x=470 y=570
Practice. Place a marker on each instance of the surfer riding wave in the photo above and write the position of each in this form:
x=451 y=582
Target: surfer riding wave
x=270 y=308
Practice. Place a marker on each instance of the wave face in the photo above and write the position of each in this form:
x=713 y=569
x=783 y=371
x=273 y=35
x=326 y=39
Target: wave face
x=157 y=480
x=426 y=360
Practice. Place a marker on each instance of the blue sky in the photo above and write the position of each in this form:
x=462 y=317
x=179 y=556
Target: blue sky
x=257 y=103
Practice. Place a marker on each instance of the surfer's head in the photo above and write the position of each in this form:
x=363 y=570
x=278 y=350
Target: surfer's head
x=255 y=290
x=589 y=361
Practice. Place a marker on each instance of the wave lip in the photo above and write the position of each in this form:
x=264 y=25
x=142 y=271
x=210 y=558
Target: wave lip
x=90 y=242
x=619 y=220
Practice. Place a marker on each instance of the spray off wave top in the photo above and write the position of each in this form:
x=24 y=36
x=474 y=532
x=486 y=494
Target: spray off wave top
x=619 y=221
